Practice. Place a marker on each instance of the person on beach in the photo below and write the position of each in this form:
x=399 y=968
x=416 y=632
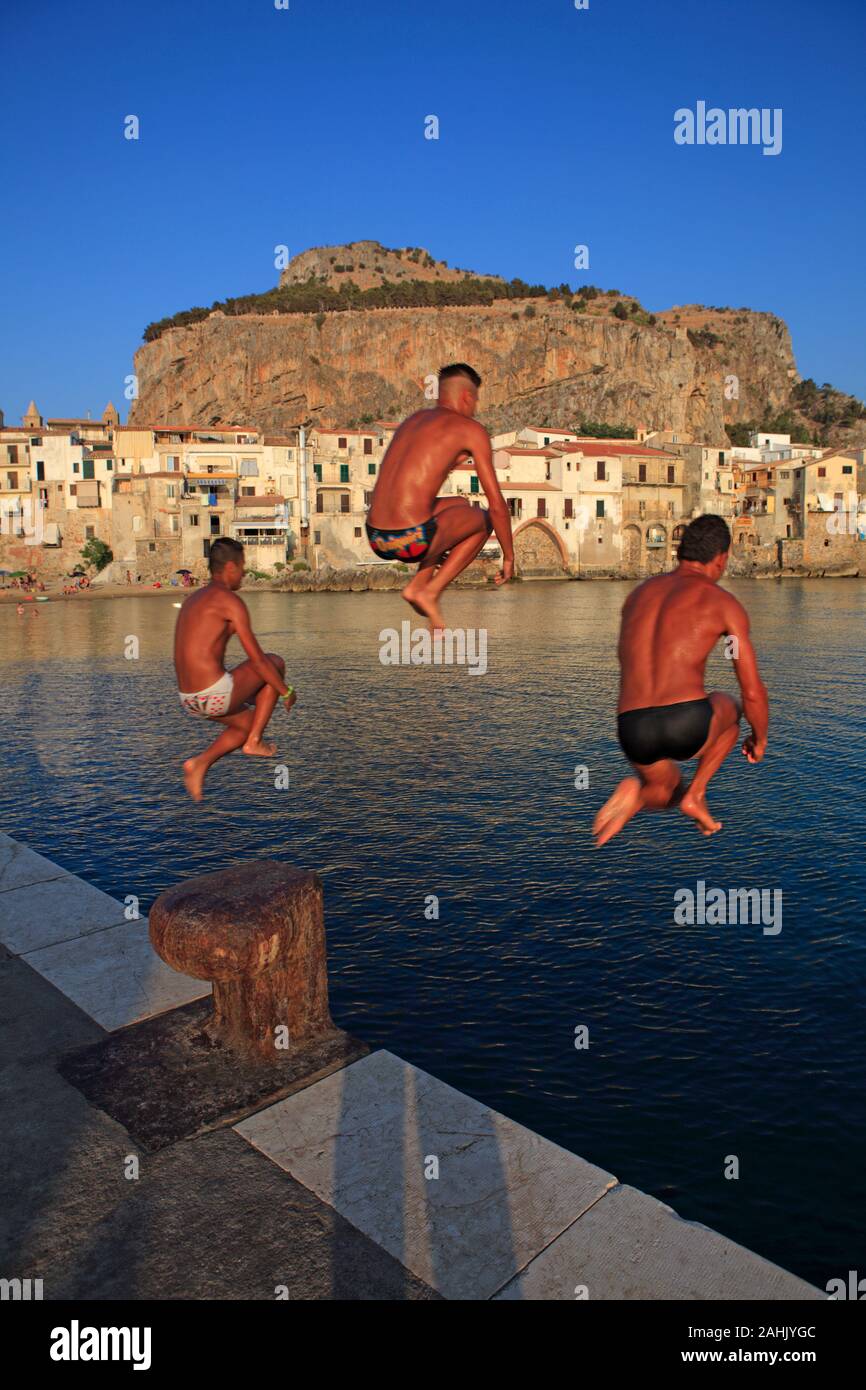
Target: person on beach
x=204 y=625
x=407 y=519
x=670 y=624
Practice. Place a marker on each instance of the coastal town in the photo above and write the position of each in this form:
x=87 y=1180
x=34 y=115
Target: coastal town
x=153 y=498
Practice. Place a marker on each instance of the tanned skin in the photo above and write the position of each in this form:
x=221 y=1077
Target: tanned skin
x=204 y=625
x=419 y=458
x=670 y=624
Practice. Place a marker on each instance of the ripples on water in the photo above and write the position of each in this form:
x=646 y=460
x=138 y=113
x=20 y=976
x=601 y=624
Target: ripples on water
x=704 y=1041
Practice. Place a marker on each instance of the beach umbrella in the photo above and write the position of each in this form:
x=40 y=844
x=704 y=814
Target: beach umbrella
x=176 y=571
x=18 y=574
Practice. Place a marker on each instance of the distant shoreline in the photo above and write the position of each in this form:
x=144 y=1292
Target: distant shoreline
x=354 y=585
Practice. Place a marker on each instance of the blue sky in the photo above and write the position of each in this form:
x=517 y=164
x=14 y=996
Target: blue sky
x=305 y=126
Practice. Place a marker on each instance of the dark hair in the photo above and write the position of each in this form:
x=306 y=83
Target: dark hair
x=459 y=369
x=224 y=550
x=704 y=539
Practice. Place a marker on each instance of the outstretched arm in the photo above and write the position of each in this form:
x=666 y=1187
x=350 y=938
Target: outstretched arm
x=240 y=620
x=482 y=455
x=756 y=706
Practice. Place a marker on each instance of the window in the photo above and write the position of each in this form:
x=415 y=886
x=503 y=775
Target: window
x=109 y=465
x=785 y=473
x=169 y=489
x=172 y=463
x=357 y=533
x=641 y=472
x=205 y=546
x=43 y=496
x=473 y=483
x=546 y=440
x=641 y=509
x=12 y=452
x=249 y=468
x=89 y=533
x=317 y=538
x=73 y=488
x=341 y=442
x=193 y=518
x=172 y=525
x=320 y=501
x=368 y=497
x=40 y=471
x=672 y=473
x=542 y=507
x=721 y=456
x=248 y=492
x=822 y=472
x=569 y=507
x=371 y=469
x=515 y=506
x=368 y=446
x=847 y=468
x=599 y=508
x=344 y=502
x=317 y=472
x=12 y=480
x=600 y=474
x=344 y=472
x=838 y=501
x=75 y=467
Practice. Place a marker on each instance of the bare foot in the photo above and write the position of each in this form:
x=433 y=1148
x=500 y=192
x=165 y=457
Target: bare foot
x=254 y=748
x=617 y=810
x=424 y=603
x=193 y=778
x=695 y=805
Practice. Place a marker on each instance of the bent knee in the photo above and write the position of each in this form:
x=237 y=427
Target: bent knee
x=277 y=660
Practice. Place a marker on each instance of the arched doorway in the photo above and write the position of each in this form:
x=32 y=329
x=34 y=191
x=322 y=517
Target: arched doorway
x=539 y=550
x=656 y=549
x=631 y=549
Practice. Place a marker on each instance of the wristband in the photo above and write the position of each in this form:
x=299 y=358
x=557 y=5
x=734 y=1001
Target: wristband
x=289 y=693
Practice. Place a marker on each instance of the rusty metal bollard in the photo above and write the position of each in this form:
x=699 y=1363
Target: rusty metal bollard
x=257 y=931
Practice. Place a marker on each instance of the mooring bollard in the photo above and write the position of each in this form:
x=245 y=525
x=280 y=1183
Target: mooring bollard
x=257 y=931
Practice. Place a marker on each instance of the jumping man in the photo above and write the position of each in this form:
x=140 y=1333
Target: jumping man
x=670 y=624
x=407 y=519
x=204 y=625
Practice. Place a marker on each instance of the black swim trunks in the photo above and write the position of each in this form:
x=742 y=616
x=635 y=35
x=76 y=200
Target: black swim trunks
x=664 y=731
x=410 y=545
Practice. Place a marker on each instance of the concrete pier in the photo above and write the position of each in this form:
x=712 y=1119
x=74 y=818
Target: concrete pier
x=375 y=1180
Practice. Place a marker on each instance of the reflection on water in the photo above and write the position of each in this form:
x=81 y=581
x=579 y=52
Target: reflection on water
x=411 y=781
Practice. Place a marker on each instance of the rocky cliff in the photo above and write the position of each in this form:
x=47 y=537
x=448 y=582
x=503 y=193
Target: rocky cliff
x=541 y=361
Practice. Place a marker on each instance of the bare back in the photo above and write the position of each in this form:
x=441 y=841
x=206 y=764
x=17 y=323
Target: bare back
x=204 y=625
x=418 y=460
x=670 y=624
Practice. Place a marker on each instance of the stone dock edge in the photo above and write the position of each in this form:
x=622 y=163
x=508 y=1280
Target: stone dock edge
x=375 y=1181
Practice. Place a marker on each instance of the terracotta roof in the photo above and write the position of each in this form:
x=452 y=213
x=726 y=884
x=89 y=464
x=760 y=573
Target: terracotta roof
x=529 y=487
x=265 y=499
x=317 y=429
x=599 y=449
x=545 y=453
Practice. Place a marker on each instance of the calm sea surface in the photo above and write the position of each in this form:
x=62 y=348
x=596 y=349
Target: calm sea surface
x=705 y=1041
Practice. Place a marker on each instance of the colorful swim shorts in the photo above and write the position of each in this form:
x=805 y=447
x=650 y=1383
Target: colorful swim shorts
x=410 y=545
